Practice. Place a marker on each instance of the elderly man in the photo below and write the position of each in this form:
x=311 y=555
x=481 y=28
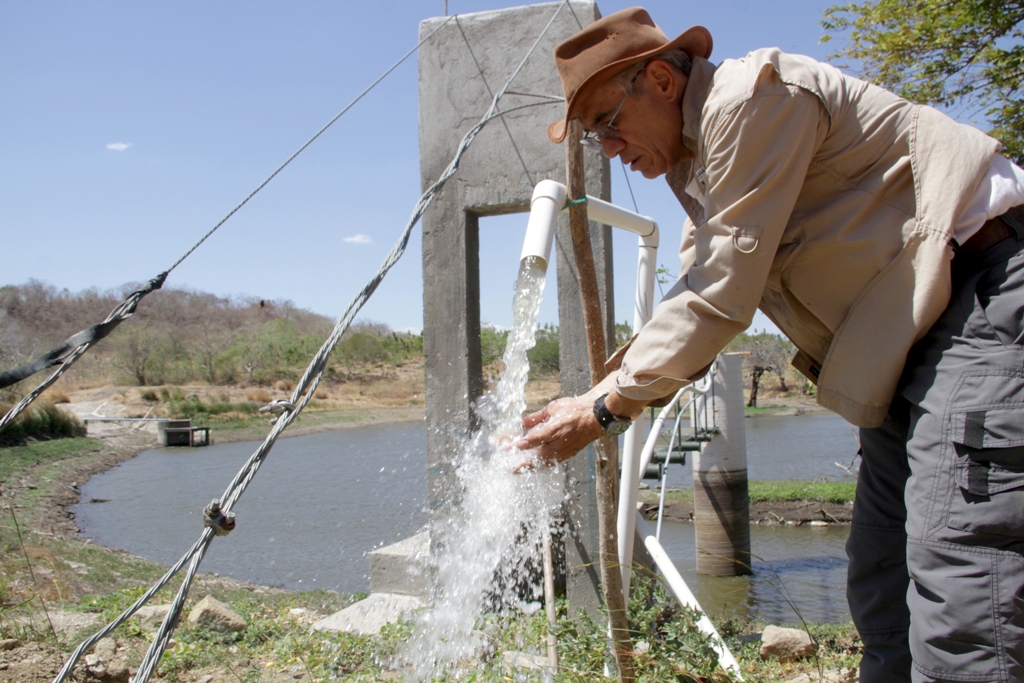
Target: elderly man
x=885 y=240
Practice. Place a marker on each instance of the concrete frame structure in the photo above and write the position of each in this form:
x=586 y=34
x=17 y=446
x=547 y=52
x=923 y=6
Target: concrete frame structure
x=497 y=177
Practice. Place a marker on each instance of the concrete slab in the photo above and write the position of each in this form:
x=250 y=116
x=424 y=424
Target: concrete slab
x=403 y=568
x=368 y=617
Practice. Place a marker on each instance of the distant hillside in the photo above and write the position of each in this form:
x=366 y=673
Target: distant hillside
x=180 y=336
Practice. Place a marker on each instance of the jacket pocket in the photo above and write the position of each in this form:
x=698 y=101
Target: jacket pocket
x=988 y=471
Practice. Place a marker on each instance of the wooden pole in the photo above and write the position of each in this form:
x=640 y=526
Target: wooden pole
x=549 y=603
x=606 y=447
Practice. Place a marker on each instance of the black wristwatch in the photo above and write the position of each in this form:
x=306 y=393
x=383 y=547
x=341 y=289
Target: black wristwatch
x=613 y=425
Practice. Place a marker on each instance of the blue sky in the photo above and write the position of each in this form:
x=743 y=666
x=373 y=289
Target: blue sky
x=128 y=129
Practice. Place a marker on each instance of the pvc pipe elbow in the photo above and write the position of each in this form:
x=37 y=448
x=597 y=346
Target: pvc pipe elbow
x=548 y=200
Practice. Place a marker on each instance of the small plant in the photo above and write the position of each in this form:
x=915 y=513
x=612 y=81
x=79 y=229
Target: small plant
x=284 y=385
x=149 y=396
x=258 y=396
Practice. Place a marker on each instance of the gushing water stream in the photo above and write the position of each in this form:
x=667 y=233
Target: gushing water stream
x=485 y=554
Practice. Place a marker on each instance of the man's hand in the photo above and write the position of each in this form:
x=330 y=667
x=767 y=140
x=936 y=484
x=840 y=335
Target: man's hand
x=559 y=431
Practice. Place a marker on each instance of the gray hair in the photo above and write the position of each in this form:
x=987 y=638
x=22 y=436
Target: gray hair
x=626 y=81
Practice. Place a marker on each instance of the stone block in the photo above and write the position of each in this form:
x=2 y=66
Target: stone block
x=216 y=616
x=403 y=568
x=368 y=617
x=151 y=616
x=786 y=644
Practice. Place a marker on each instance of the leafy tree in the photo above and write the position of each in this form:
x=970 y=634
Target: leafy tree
x=136 y=355
x=543 y=357
x=967 y=54
x=769 y=353
x=492 y=343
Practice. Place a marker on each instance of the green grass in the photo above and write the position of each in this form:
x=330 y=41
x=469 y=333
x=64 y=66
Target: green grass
x=825 y=492
x=764 y=410
x=14 y=459
x=776 y=491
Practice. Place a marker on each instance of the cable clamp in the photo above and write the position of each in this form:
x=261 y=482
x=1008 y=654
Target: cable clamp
x=221 y=523
x=278 y=408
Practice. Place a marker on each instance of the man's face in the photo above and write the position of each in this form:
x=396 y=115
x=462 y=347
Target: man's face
x=649 y=125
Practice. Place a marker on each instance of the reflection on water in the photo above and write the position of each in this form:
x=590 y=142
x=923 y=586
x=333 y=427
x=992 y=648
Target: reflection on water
x=805 y=565
x=318 y=505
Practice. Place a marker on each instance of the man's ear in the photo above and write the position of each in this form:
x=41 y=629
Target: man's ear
x=665 y=79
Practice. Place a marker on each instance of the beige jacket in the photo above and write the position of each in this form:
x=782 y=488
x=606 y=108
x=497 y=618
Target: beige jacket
x=829 y=204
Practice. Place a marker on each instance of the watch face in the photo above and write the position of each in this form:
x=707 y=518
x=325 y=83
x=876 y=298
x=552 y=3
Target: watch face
x=616 y=428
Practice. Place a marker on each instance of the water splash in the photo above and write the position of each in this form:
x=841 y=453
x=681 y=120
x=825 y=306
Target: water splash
x=486 y=554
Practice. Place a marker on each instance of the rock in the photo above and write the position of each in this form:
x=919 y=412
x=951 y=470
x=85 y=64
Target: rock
x=205 y=679
x=9 y=643
x=523 y=660
x=786 y=644
x=369 y=616
x=95 y=665
x=641 y=647
x=216 y=616
x=151 y=616
x=106 y=648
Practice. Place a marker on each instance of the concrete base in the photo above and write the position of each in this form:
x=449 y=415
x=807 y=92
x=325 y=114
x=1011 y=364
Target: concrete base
x=403 y=568
x=368 y=617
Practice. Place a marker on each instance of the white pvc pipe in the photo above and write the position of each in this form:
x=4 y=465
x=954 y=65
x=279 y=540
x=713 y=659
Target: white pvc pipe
x=678 y=586
x=548 y=200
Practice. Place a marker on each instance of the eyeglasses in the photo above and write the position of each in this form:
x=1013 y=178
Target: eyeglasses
x=605 y=131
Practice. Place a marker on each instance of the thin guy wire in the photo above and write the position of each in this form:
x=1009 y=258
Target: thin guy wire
x=578 y=22
x=308 y=143
x=308 y=384
x=469 y=47
x=628 y=184
x=127 y=307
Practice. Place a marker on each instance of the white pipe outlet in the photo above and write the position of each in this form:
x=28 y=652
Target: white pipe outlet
x=548 y=200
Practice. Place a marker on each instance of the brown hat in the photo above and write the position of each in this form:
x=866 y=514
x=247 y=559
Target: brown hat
x=606 y=47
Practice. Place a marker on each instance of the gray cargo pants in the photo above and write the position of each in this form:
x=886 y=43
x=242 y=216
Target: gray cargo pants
x=936 y=574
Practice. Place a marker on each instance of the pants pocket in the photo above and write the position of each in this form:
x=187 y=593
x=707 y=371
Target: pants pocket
x=967 y=624
x=988 y=471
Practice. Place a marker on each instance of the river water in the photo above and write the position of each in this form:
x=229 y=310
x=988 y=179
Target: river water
x=321 y=502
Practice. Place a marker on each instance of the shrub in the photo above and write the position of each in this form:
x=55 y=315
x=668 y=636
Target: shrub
x=55 y=396
x=284 y=385
x=42 y=420
x=258 y=395
x=150 y=396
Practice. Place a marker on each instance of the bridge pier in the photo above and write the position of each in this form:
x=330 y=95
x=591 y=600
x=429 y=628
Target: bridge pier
x=721 y=502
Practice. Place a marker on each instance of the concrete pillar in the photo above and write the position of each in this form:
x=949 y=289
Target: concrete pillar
x=721 y=503
x=496 y=177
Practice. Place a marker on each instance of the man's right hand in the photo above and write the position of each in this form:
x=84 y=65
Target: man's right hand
x=559 y=431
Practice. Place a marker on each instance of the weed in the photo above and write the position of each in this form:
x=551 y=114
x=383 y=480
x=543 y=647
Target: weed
x=150 y=396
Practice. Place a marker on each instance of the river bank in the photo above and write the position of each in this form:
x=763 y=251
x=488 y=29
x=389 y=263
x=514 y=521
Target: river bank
x=83 y=585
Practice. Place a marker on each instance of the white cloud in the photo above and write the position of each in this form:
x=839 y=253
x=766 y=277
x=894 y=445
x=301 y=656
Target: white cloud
x=119 y=146
x=358 y=239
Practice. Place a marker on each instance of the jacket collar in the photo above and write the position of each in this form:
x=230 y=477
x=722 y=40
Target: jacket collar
x=697 y=88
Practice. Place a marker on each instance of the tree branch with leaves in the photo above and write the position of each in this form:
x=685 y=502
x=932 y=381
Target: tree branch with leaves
x=963 y=55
